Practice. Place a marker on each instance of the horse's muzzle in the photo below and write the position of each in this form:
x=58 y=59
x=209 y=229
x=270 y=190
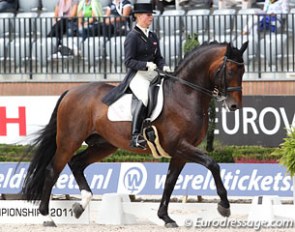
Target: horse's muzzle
x=232 y=103
x=233 y=107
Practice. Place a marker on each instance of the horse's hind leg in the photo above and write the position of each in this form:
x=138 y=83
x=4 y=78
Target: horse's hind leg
x=62 y=156
x=51 y=178
x=78 y=164
x=52 y=175
x=175 y=167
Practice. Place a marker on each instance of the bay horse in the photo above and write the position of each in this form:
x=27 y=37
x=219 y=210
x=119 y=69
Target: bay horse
x=212 y=69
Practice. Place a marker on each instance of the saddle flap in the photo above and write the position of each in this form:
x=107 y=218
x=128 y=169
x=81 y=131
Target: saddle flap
x=120 y=110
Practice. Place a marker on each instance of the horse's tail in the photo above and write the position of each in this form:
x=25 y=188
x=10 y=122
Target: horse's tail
x=43 y=149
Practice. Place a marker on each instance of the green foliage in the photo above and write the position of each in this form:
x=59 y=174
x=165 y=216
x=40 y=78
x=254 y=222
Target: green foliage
x=126 y=156
x=12 y=152
x=191 y=42
x=287 y=152
x=255 y=152
x=228 y=154
x=221 y=154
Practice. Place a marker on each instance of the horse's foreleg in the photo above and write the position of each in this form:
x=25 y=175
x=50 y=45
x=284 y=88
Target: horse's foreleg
x=175 y=167
x=78 y=164
x=193 y=154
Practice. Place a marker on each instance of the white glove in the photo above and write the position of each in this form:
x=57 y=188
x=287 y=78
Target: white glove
x=151 y=66
x=166 y=69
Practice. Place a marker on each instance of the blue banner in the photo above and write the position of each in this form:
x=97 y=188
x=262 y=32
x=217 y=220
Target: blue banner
x=149 y=179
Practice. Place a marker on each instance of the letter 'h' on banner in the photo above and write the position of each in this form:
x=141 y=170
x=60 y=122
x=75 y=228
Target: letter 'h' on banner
x=20 y=120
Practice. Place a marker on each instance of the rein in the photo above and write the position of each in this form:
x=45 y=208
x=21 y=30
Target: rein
x=187 y=83
x=215 y=92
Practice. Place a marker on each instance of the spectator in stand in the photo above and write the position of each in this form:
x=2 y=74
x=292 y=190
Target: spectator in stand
x=89 y=18
x=8 y=6
x=117 y=21
x=227 y=4
x=161 y=4
x=65 y=14
x=272 y=20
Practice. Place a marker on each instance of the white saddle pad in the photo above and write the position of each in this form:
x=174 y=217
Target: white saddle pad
x=120 y=110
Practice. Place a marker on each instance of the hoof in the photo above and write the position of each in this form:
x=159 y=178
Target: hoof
x=49 y=224
x=171 y=225
x=225 y=212
x=77 y=209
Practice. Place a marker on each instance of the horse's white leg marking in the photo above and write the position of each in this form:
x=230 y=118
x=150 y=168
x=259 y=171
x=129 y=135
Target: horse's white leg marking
x=48 y=221
x=85 y=198
x=47 y=218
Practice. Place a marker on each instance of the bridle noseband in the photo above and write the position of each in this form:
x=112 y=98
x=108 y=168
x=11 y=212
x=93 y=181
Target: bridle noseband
x=220 y=95
x=223 y=94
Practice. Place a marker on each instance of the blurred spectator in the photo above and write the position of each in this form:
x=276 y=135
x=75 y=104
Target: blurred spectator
x=227 y=4
x=8 y=6
x=89 y=18
x=246 y=4
x=117 y=21
x=161 y=4
x=272 y=20
x=65 y=15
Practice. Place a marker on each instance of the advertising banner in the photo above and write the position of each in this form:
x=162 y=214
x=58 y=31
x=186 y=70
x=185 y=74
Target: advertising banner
x=149 y=179
x=21 y=117
x=263 y=120
x=23 y=212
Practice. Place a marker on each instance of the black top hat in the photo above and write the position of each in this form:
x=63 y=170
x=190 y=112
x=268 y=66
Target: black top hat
x=143 y=8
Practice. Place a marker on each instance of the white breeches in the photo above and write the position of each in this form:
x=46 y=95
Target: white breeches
x=140 y=84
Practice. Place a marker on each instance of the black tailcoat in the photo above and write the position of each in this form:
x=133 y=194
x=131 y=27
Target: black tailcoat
x=139 y=50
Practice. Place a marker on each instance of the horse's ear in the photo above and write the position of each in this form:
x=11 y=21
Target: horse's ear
x=244 y=47
x=228 y=50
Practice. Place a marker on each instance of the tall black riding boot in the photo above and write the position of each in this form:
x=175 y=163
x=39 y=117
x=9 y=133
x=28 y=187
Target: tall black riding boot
x=139 y=115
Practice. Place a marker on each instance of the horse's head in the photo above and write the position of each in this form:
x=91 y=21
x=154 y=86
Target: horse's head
x=228 y=77
x=223 y=64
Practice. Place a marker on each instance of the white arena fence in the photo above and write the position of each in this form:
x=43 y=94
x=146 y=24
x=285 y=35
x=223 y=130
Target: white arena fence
x=26 y=49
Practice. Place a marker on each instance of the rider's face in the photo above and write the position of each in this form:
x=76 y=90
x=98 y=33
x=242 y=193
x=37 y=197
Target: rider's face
x=144 y=19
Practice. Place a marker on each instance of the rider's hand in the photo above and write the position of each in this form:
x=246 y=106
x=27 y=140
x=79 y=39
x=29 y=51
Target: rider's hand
x=151 y=66
x=166 y=69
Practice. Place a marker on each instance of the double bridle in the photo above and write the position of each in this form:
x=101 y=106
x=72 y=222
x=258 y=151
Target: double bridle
x=216 y=92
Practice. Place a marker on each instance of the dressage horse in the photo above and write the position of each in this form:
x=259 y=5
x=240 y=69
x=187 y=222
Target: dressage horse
x=211 y=70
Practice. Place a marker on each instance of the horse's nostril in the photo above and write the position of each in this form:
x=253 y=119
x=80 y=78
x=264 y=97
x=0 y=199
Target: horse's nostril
x=233 y=107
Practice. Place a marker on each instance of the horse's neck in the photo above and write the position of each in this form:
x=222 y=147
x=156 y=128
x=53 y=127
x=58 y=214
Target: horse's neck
x=197 y=75
x=187 y=97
